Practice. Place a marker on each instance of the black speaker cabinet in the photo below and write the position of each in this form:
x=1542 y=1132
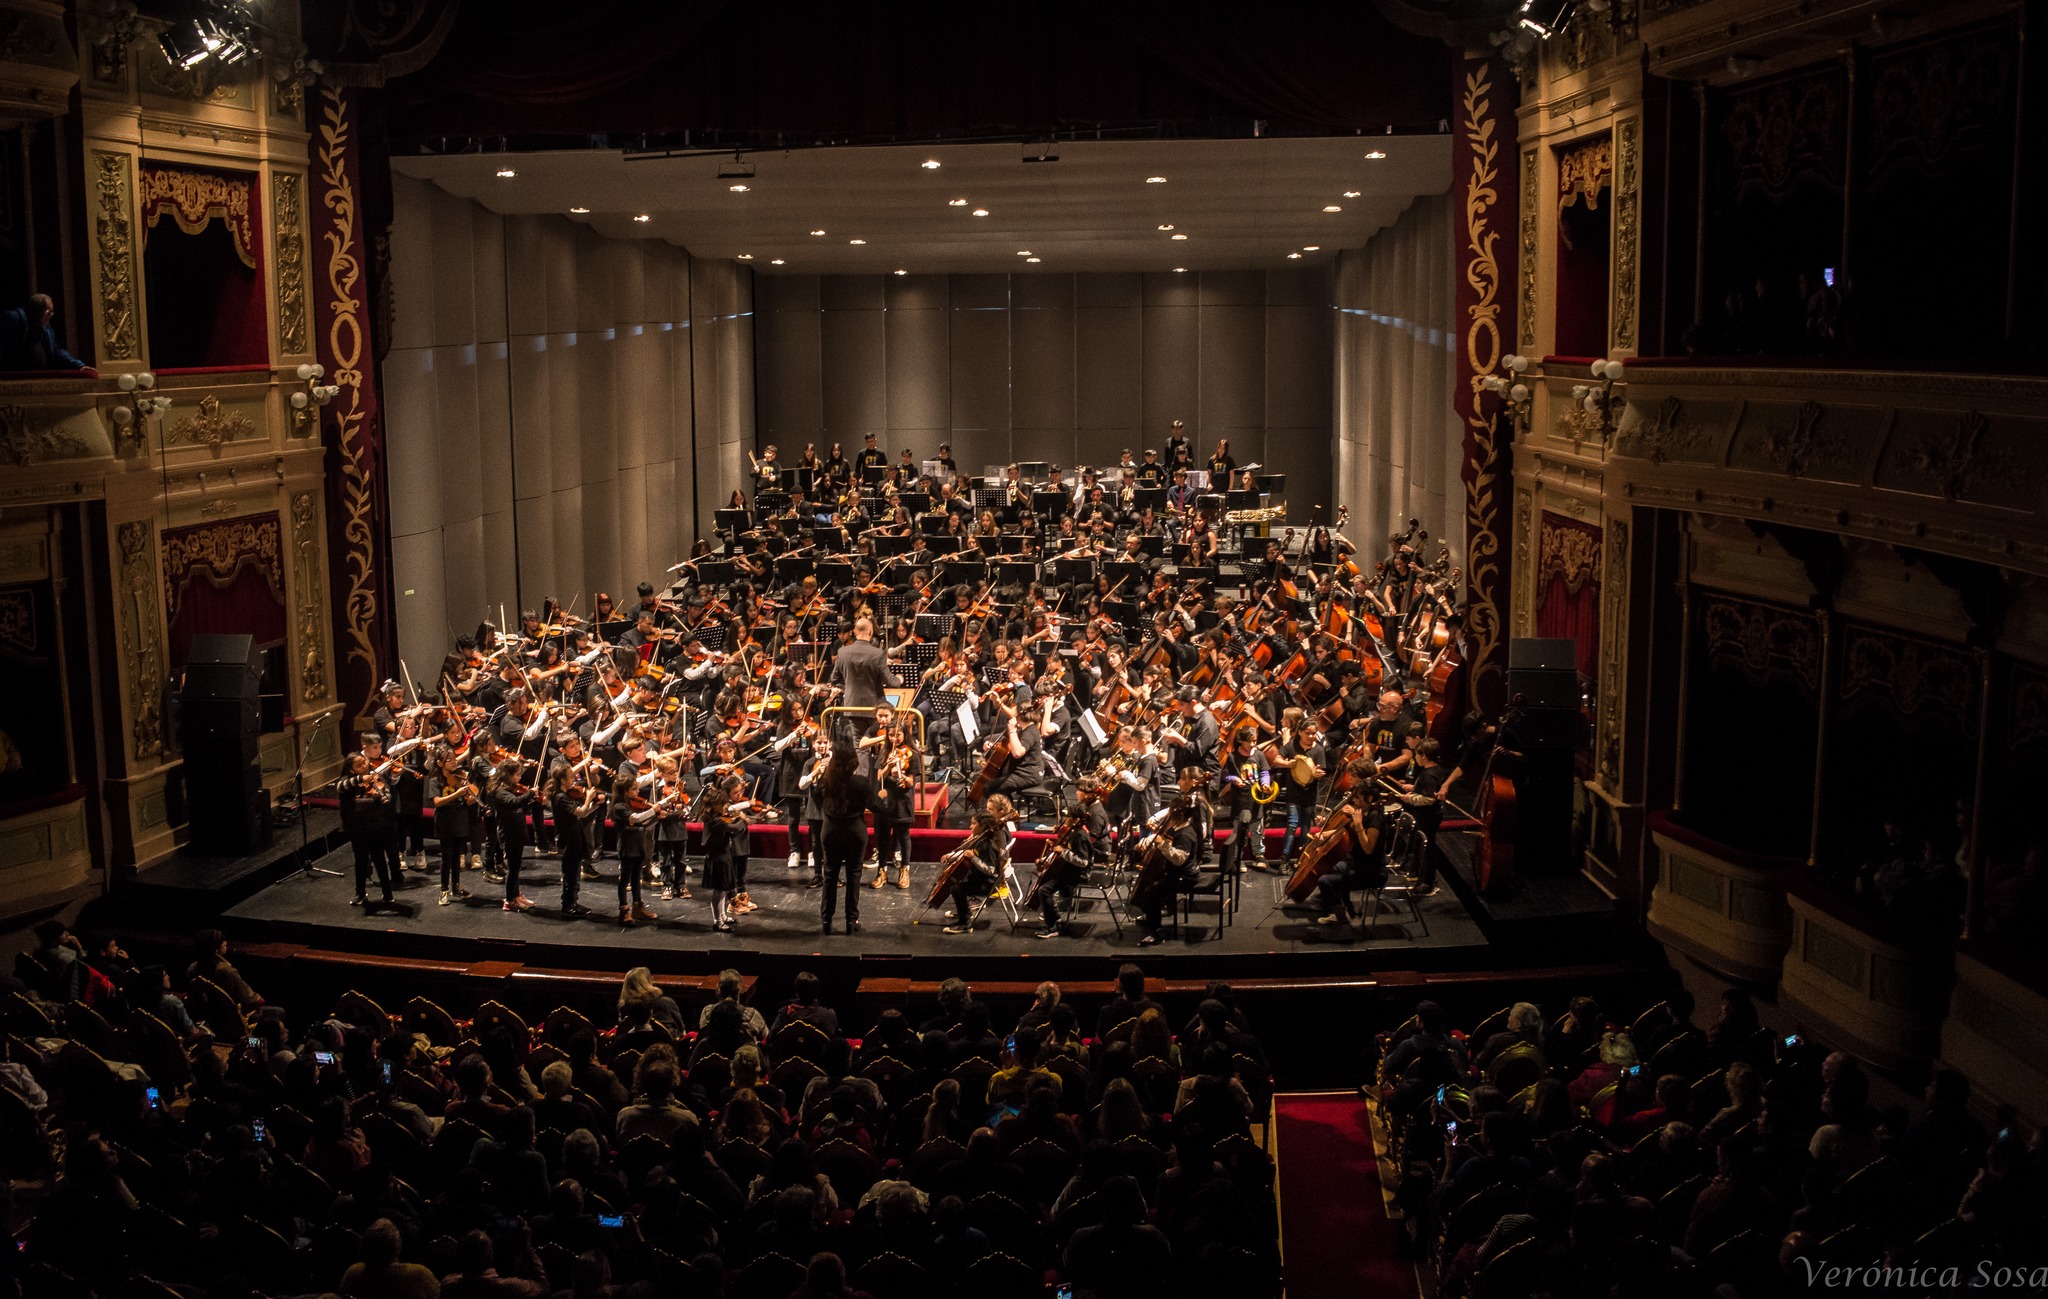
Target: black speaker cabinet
x=1543 y=672
x=218 y=730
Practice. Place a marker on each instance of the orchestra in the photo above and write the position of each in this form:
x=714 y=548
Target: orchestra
x=1138 y=659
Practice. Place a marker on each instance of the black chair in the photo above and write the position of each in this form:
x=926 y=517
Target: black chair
x=1001 y=1275
x=771 y=1276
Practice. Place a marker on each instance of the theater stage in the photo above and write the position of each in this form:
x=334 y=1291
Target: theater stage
x=1440 y=933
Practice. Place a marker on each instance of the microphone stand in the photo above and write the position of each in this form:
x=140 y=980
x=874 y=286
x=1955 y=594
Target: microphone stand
x=307 y=869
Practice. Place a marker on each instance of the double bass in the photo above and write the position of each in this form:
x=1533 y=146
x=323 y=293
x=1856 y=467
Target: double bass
x=1494 y=862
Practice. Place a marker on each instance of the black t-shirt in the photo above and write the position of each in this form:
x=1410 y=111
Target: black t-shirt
x=1387 y=735
x=1429 y=781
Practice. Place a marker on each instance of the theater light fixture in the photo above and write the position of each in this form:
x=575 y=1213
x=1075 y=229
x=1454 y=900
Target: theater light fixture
x=1294 y=257
x=1376 y=155
x=579 y=211
x=1023 y=252
x=1332 y=207
x=1350 y=193
x=956 y=202
x=981 y=211
x=1034 y=260
x=1155 y=180
x=776 y=261
x=1177 y=238
x=1311 y=248
x=1180 y=270
x=901 y=271
x=816 y=233
x=856 y=242
x=643 y=218
x=737 y=189
x=1166 y=225
x=506 y=173
x=1546 y=18
x=746 y=257
x=930 y=164
x=212 y=31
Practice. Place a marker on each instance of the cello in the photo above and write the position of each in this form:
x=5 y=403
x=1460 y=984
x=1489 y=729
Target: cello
x=1494 y=863
x=1330 y=846
x=997 y=758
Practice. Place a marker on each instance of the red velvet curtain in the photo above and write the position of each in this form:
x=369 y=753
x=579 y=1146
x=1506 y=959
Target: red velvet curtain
x=1568 y=587
x=203 y=266
x=224 y=578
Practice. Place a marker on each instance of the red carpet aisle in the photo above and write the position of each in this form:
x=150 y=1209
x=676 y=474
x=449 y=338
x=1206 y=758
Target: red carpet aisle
x=1334 y=1227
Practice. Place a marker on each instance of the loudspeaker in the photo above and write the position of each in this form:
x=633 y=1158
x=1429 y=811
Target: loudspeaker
x=218 y=729
x=1543 y=672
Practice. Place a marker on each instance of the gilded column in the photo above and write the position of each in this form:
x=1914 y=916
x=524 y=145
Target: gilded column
x=116 y=291
x=142 y=640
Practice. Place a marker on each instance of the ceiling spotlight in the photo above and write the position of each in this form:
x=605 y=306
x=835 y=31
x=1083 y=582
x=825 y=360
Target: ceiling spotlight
x=815 y=233
x=737 y=189
x=1034 y=260
x=1332 y=207
x=746 y=257
x=1311 y=248
x=956 y=202
x=981 y=211
x=1294 y=257
x=223 y=30
x=1180 y=270
x=901 y=271
x=775 y=261
x=1546 y=18
x=856 y=242
x=579 y=211
x=1375 y=155
x=1023 y=252
x=1176 y=236
x=1155 y=180
x=506 y=173
x=930 y=164
x=643 y=218
x=1166 y=225
x=1350 y=193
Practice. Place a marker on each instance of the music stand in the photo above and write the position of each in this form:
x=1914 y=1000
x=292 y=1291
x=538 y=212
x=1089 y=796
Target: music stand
x=1073 y=570
x=794 y=568
x=767 y=502
x=1051 y=501
x=1124 y=575
x=1153 y=498
x=890 y=547
x=933 y=626
x=717 y=572
x=1010 y=572
x=834 y=574
x=306 y=866
x=732 y=520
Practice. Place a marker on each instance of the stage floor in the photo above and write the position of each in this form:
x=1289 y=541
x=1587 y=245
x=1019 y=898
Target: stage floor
x=315 y=910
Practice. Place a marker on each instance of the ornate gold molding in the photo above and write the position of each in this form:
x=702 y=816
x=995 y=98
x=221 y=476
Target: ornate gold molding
x=1613 y=651
x=1482 y=350
x=194 y=198
x=114 y=230
x=289 y=249
x=23 y=440
x=1796 y=447
x=1954 y=462
x=1627 y=229
x=1662 y=433
x=1525 y=528
x=345 y=333
x=211 y=427
x=142 y=640
x=218 y=552
x=1530 y=204
x=312 y=602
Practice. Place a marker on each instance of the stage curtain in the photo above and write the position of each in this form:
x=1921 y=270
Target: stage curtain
x=1568 y=560
x=203 y=269
x=34 y=762
x=224 y=578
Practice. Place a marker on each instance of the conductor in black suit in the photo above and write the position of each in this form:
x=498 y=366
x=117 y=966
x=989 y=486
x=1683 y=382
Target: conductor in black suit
x=861 y=670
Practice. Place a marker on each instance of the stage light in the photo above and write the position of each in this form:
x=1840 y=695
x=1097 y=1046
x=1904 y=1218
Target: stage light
x=1375 y=155
x=1177 y=238
x=856 y=242
x=901 y=271
x=643 y=218
x=1180 y=270
x=1311 y=248
x=579 y=211
x=816 y=233
x=775 y=261
x=188 y=43
x=1023 y=252
x=1294 y=257
x=1155 y=180
x=956 y=202
x=930 y=164
x=737 y=189
x=1546 y=18
x=746 y=257
x=1034 y=260
x=506 y=173
x=1332 y=207
x=1350 y=193
x=981 y=211
x=1166 y=225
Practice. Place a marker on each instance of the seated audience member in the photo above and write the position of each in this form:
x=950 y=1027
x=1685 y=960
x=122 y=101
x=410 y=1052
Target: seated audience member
x=28 y=338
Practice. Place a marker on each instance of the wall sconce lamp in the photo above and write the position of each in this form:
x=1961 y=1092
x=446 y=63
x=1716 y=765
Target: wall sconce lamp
x=127 y=419
x=306 y=402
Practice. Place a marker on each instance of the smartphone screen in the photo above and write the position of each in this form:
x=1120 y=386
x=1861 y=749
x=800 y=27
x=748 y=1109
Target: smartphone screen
x=324 y=1057
x=155 y=1098
x=611 y=1219
x=257 y=1129
x=1827 y=275
x=390 y=1072
x=256 y=1042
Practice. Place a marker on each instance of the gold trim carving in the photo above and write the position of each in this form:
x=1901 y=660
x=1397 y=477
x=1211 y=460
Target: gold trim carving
x=288 y=98
x=1761 y=641
x=1525 y=528
x=1482 y=351
x=212 y=427
x=290 y=252
x=1954 y=463
x=345 y=347
x=194 y=198
x=142 y=640
x=1796 y=447
x=1613 y=650
x=1530 y=204
x=114 y=230
x=23 y=441
x=1663 y=433
x=218 y=552
x=1910 y=674
x=312 y=601
x=1568 y=550
x=1583 y=170
x=1627 y=230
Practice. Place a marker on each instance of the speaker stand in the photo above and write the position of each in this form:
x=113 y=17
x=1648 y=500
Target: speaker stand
x=307 y=870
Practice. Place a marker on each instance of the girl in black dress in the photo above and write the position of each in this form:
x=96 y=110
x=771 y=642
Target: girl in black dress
x=725 y=836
